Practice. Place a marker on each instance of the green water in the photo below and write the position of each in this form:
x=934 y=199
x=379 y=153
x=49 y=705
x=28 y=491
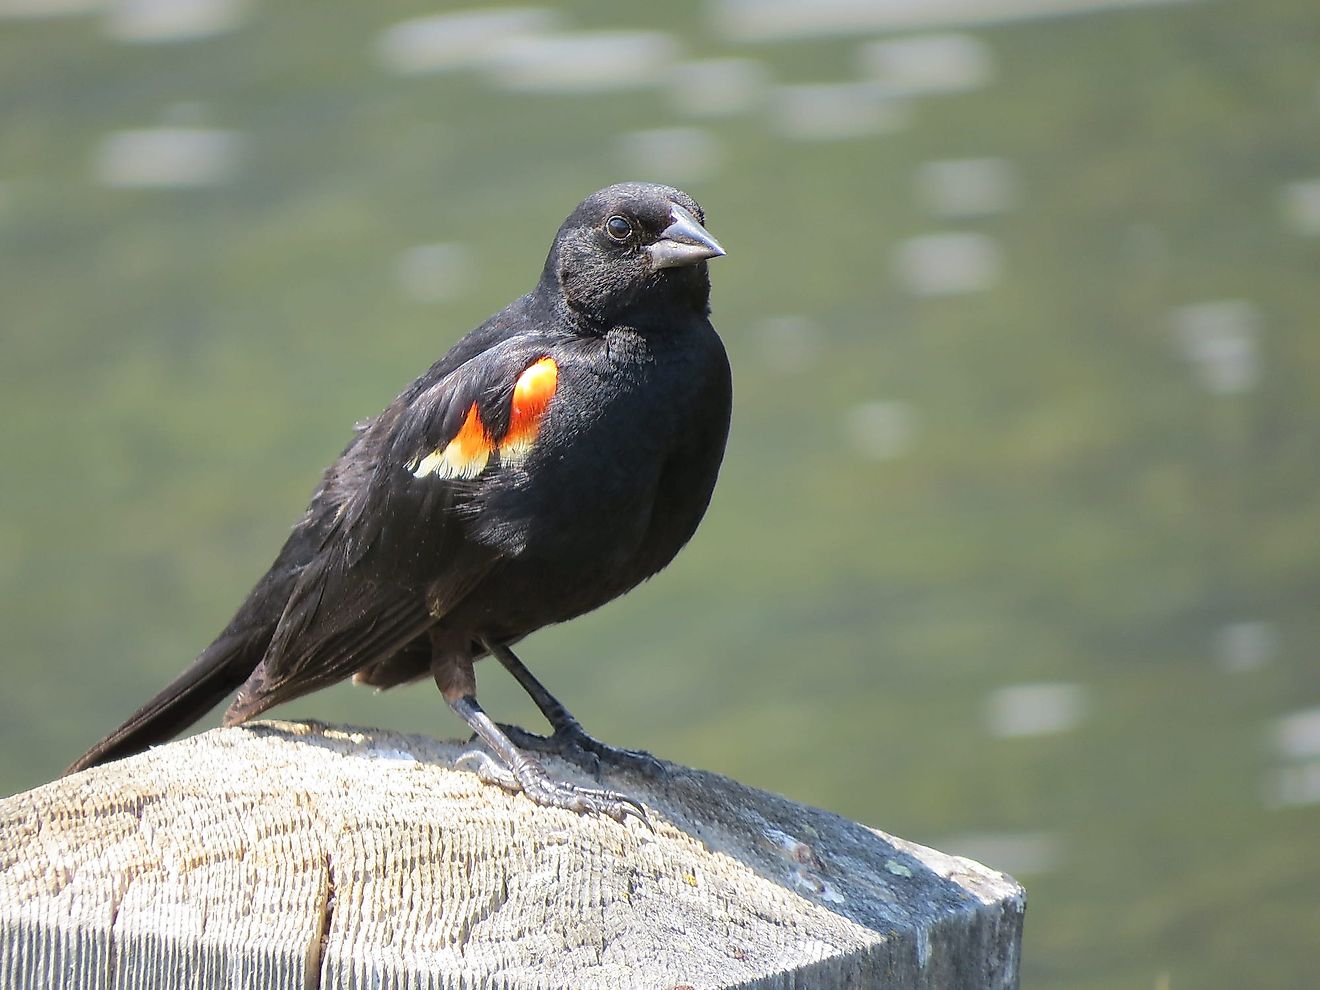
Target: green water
x=928 y=499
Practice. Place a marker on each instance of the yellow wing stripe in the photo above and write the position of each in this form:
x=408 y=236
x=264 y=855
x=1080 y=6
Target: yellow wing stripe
x=467 y=455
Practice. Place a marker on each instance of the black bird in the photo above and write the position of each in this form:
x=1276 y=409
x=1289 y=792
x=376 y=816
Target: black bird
x=558 y=455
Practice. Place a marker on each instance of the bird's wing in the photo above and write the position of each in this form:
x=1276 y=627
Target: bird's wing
x=396 y=553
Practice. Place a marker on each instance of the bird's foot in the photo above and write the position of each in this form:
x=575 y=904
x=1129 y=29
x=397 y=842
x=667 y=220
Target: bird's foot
x=571 y=742
x=530 y=778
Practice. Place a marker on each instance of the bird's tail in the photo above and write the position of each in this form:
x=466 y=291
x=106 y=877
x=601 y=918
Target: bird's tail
x=220 y=669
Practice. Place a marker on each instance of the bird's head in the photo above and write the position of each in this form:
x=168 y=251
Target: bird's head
x=630 y=245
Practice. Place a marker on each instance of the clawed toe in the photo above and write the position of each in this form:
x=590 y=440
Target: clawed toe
x=488 y=769
x=532 y=780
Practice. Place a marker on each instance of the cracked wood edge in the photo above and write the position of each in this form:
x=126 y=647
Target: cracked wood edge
x=299 y=855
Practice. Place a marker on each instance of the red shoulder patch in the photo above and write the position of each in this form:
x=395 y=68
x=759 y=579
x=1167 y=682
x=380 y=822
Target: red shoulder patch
x=532 y=393
x=468 y=453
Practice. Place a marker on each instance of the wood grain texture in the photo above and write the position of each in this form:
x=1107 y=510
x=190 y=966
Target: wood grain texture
x=298 y=855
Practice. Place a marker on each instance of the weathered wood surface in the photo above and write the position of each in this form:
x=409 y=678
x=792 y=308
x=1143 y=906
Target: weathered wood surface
x=298 y=855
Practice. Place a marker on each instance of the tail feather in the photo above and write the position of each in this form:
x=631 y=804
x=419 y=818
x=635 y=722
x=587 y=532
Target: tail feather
x=221 y=668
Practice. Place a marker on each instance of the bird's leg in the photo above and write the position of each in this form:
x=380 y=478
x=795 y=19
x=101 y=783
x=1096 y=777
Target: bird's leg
x=569 y=739
x=519 y=772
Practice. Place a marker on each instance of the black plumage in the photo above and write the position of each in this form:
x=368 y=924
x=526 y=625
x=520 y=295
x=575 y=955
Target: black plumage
x=555 y=457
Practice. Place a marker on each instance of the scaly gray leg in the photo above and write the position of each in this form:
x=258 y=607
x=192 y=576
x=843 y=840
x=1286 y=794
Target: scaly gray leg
x=520 y=772
x=570 y=740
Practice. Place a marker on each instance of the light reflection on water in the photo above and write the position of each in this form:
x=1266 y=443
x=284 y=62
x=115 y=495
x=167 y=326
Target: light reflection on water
x=786 y=20
x=168 y=157
x=948 y=264
x=929 y=64
x=1301 y=207
x=1219 y=338
x=835 y=111
x=1292 y=786
x=172 y=20
x=586 y=61
x=1246 y=645
x=1297 y=736
x=462 y=40
x=1035 y=709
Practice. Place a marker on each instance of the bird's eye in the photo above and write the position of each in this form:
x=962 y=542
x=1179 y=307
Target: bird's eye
x=618 y=227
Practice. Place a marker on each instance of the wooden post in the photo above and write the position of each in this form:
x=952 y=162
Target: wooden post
x=299 y=855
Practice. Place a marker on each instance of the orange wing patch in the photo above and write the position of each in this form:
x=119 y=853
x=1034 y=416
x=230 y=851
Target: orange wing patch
x=531 y=397
x=467 y=455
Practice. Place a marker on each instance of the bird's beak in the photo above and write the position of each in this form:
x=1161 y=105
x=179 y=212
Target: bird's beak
x=684 y=242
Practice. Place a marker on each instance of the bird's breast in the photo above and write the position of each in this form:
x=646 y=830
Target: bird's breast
x=587 y=487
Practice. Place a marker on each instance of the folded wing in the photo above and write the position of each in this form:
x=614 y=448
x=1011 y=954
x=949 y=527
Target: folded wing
x=396 y=554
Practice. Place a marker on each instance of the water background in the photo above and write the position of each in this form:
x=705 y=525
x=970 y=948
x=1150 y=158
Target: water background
x=1016 y=550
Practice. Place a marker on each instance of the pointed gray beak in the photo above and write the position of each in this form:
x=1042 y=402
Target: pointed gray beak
x=684 y=242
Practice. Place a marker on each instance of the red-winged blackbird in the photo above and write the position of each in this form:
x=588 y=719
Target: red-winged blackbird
x=558 y=455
